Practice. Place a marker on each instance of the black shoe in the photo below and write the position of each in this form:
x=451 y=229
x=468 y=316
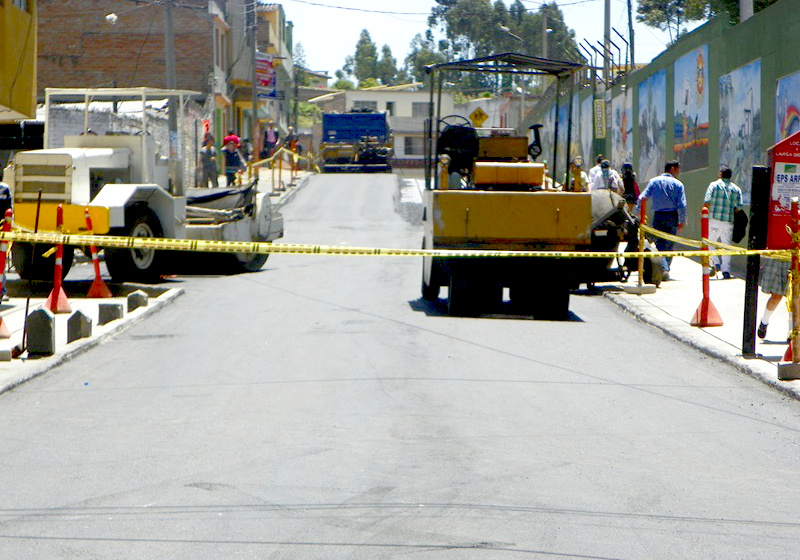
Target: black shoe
x=726 y=275
x=762 y=331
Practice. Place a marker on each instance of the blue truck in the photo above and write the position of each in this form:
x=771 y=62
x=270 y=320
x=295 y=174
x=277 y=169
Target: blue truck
x=358 y=141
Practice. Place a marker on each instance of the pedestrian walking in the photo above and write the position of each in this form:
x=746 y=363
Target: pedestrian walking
x=596 y=169
x=578 y=179
x=722 y=199
x=234 y=137
x=234 y=161
x=774 y=280
x=607 y=178
x=271 y=137
x=667 y=197
x=629 y=185
x=208 y=163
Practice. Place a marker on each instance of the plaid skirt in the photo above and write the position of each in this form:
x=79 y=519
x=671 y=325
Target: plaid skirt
x=774 y=276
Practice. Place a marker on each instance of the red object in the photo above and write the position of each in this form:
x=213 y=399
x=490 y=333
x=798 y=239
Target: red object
x=706 y=314
x=784 y=162
x=57 y=300
x=4 y=332
x=98 y=289
x=206 y=126
x=232 y=137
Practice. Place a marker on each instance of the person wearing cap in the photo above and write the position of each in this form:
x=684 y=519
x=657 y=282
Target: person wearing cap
x=232 y=136
x=578 y=179
x=667 y=197
x=608 y=178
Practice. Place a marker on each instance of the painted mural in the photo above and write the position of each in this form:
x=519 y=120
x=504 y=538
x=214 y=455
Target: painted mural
x=740 y=123
x=652 y=126
x=586 y=130
x=691 y=109
x=575 y=139
x=621 y=130
x=787 y=106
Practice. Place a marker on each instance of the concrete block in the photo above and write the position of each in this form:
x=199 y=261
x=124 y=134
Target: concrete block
x=42 y=333
x=79 y=326
x=136 y=300
x=108 y=312
x=5 y=354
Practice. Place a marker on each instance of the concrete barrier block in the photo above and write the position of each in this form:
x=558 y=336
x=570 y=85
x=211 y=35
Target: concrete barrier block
x=79 y=325
x=137 y=299
x=5 y=354
x=108 y=312
x=42 y=333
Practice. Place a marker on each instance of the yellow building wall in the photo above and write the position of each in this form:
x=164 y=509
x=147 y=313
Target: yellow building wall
x=17 y=61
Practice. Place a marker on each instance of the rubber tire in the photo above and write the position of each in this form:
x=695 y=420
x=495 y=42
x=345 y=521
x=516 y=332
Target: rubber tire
x=253 y=264
x=136 y=265
x=430 y=291
x=461 y=297
x=553 y=306
x=41 y=269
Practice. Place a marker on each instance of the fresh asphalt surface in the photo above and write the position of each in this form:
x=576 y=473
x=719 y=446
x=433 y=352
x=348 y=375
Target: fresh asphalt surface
x=319 y=409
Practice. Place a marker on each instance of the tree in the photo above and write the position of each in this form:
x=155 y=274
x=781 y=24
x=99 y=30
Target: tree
x=301 y=78
x=364 y=63
x=387 y=67
x=666 y=15
x=342 y=82
x=422 y=53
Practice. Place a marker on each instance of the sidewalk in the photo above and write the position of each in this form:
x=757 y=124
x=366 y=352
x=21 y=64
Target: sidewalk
x=672 y=306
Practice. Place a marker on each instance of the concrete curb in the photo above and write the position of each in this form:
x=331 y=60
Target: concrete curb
x=758 y=368
x=291 y=192
x=69 y=351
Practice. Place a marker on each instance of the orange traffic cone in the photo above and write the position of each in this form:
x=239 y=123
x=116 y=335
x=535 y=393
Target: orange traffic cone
x=57 y=300
x=98 y=289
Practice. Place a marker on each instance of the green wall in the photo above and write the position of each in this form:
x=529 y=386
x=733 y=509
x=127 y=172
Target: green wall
x=770 y=35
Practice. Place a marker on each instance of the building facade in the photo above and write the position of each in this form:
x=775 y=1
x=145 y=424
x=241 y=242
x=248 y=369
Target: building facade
x=18 y=22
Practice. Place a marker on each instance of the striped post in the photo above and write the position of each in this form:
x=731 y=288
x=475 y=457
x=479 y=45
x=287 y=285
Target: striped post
x=57 y=300
x=706 y=314
x=98 y=289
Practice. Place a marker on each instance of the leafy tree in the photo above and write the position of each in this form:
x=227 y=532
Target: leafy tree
x=387 y=67
x=368 y=83
x=423 y=52
x=342 y=82
x=667 y=15
x=300 y=66
x=364 y=63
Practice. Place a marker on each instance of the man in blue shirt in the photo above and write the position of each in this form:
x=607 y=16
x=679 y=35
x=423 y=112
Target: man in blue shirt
x=667 y=197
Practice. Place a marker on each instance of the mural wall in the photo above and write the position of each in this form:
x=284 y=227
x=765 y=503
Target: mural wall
x=787 y=106
x=740 y=123
x=621 y=130
x=652 y=126
x=691 y=109
x=586 y=130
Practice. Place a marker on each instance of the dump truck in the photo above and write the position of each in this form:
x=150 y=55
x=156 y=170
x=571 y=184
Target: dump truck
x=485 y=192
x=130 y=187
x=358 y=141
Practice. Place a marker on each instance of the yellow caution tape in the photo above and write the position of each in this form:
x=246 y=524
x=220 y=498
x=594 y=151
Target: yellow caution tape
x=260 y=247
x=670 y=237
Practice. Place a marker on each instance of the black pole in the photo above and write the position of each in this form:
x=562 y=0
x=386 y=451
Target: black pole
x=757 y=239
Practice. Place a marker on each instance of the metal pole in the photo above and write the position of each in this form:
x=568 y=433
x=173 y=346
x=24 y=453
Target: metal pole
x=607 y=39
x=630 y=28
x=254 y=125
x=757 y=239
x=169 y=47
x=544 y=34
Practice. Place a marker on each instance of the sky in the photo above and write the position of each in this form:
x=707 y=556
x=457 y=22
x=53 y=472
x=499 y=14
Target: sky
x=329 y=29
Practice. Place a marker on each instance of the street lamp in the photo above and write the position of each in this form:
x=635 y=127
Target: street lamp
x=520 y=88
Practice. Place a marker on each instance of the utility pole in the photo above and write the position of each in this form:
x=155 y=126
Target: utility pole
x=544 y=33
x=607 y=41
x=252 y=32
x=175 y=172
x=630 y=31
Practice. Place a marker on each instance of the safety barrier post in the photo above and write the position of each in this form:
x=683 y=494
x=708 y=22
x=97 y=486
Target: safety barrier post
x=57 y=300
x=640 y=287
x=791 y=370
x=98 y=289
x=280 y=171
x=4 y=332
x=272 y=168
x=706 y=314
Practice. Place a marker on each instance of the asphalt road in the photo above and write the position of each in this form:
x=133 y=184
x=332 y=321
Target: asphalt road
x=319 y=409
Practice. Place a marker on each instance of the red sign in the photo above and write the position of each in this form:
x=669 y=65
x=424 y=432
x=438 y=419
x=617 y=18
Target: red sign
x=784 y=160
x=206 y=126
x=265 y=71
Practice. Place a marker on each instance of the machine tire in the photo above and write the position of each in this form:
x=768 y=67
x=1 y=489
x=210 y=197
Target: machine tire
x=249 y=262
x=554 y=306
x=460 y=299
x=40 y=268
x=137 y=265
x=431 y=288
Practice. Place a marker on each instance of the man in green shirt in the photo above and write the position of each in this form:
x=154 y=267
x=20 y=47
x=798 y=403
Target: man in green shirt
x=722 y=198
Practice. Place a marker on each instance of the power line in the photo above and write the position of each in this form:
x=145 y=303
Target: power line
x=362 y=9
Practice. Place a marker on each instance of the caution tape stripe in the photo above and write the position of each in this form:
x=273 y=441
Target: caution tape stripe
x=117 y=242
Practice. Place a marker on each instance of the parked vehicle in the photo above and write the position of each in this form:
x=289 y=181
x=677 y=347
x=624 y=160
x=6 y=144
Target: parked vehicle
x=356 y=141
x=130 y=190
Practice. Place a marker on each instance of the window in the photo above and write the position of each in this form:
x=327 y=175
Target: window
x=369 y=105
x=390 y=107
x=420 y=109
x=21 y=4
x=414 y=145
